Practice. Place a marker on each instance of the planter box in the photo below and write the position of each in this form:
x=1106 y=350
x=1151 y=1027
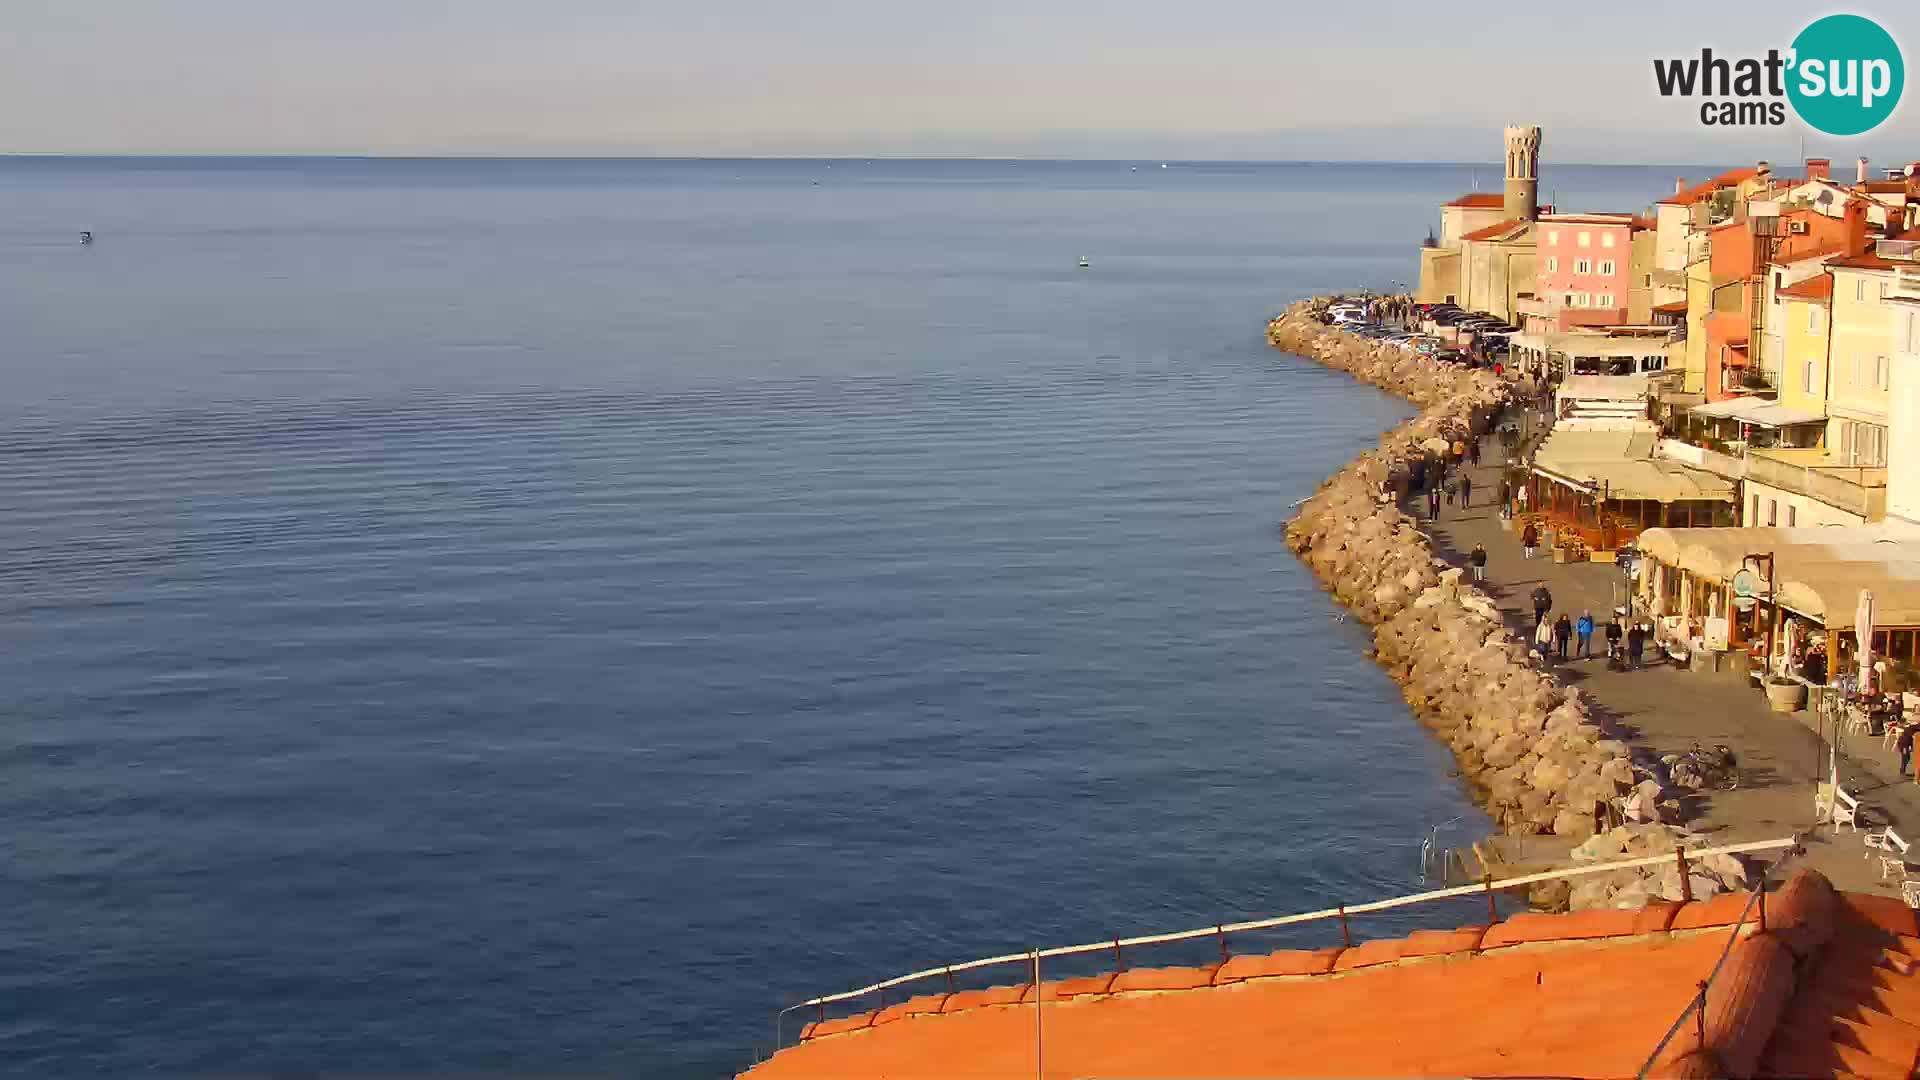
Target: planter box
x=1559 y=554
x=1600 y=556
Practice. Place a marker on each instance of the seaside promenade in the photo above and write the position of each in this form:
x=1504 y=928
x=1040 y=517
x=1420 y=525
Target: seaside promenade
x=1669 y=709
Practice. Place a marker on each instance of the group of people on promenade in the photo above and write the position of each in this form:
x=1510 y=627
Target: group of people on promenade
x=1442 y=476
x=1551 y=637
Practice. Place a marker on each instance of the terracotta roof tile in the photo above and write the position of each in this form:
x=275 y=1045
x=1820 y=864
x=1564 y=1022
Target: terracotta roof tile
x=1495 y=231
x=1171 y=978
x=1818 y=288
x=1595 y=1006
x=1481 y=200
x=1285 y=962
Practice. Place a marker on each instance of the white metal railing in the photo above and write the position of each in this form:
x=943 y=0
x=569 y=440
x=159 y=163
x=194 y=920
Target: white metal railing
x=1221 y=930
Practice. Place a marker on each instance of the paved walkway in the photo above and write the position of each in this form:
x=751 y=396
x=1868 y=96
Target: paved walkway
x=1669 y=709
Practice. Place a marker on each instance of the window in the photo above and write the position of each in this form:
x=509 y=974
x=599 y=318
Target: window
x=1773 y=512
x=1880 y=372
x=1808 y=386
x=1793 y=515
x=1553 y=236
x=1585 y=239
x=1567 y=301
x=1583 y=266
x=1606 y=239
x=1606 y=267
x=1606 y=299
x=1860 y=289
x=1813 y=319
x=1883 y=290
x=1913 y=334
x=1553 y=264
x=1753 y=516
x=1776 y=281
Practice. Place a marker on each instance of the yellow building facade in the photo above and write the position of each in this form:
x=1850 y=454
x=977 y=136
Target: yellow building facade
x=1860 y=361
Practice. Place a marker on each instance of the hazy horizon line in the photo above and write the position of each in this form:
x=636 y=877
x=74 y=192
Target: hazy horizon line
x=317 y=155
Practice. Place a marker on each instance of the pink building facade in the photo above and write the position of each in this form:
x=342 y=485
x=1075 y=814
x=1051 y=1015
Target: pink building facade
x=1582 y=268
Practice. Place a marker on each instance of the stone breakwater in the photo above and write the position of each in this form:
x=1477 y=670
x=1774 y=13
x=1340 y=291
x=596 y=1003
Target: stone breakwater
x=1537 y=759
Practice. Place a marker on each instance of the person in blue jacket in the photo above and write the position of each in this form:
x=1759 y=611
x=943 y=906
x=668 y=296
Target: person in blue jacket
x=1584 y=631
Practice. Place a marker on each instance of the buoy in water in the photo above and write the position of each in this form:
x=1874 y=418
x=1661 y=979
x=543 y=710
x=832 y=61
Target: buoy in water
x=1084 y=263
x=86 y=237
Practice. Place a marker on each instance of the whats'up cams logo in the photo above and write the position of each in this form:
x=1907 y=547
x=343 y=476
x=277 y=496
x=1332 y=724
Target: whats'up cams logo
x=1842 y=75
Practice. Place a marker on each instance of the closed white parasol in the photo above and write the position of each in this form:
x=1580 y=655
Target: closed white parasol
x=1863 y=637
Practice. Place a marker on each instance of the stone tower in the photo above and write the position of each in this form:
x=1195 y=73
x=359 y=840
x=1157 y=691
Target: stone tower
x=1523 y=173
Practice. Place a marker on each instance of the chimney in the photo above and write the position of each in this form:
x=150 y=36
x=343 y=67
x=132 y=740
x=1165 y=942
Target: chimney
x=1819 y=168
x=1679 y=185
x=1861 y=166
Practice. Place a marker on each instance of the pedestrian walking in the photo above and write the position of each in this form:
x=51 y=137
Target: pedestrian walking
x=1903 y=745
x=1543 y=638
x=1636 y=642
x=1473 y=451
x=1542 y=603
x=1478 y=560
x=1562 y=631
x=1466 y=491
x=1520 y=497
x=1529 y=539
x=1433 y=504
x=1584 y=631
x=1453 y=489
x=1506 y=493
x=1614 y=633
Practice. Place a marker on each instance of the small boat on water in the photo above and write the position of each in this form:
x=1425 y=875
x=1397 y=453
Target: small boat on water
x=1084 y=263
x=86 y=237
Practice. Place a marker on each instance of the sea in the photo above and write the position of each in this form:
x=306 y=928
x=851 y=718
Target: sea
x=497 y=617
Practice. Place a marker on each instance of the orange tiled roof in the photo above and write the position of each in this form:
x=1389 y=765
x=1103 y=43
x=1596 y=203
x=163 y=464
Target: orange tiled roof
x=1818 y=287
x=1828 y=984
x=1866 y=260
x=1885 y=187
x=1703 y=190
x=1481 y=200
x=1495 y=231
x=1679 y=306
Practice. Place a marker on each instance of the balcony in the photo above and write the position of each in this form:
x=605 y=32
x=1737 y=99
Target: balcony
x=1533 y=306
x=1906 y=282
x=1856 y=489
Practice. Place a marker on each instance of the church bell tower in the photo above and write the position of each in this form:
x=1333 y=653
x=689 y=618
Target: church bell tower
x=1523 y=173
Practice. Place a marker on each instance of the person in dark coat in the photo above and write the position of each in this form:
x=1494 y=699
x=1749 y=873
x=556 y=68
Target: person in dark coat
x=1466 y=491
x=1433 y=504
x=1542 y=603
x=1478 y=560
x=1529 y=539
x=1562 y=631
x=1903 y=745
x=1614 y=633
x=1636 y=643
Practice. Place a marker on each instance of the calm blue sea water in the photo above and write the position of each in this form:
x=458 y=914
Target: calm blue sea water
x=494 y=617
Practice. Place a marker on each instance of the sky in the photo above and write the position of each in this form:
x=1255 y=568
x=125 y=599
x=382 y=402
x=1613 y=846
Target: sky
x=1369 y=80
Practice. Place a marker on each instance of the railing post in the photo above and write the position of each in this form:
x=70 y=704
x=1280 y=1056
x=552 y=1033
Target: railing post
x=1686 y=883
x=1346 y=938
x=949 y=980
x=1221 y=932
x=1493 y=912
x=1700 y=1018
x=1763 y=904
x=1119 y=958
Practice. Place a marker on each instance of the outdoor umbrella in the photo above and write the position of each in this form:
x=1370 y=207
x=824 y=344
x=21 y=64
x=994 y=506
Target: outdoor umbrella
x=1863 y=638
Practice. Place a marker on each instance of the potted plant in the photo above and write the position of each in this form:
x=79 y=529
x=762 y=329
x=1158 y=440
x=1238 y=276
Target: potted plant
x=1785 y=695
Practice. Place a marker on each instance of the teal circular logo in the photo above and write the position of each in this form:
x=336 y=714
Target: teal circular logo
x=1846 y=75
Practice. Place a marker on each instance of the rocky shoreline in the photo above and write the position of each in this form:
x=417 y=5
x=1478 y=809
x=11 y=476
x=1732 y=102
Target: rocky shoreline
x=1537 y=760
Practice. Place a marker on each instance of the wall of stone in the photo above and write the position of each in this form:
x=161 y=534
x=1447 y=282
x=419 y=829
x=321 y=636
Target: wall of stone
x=1537 y=759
